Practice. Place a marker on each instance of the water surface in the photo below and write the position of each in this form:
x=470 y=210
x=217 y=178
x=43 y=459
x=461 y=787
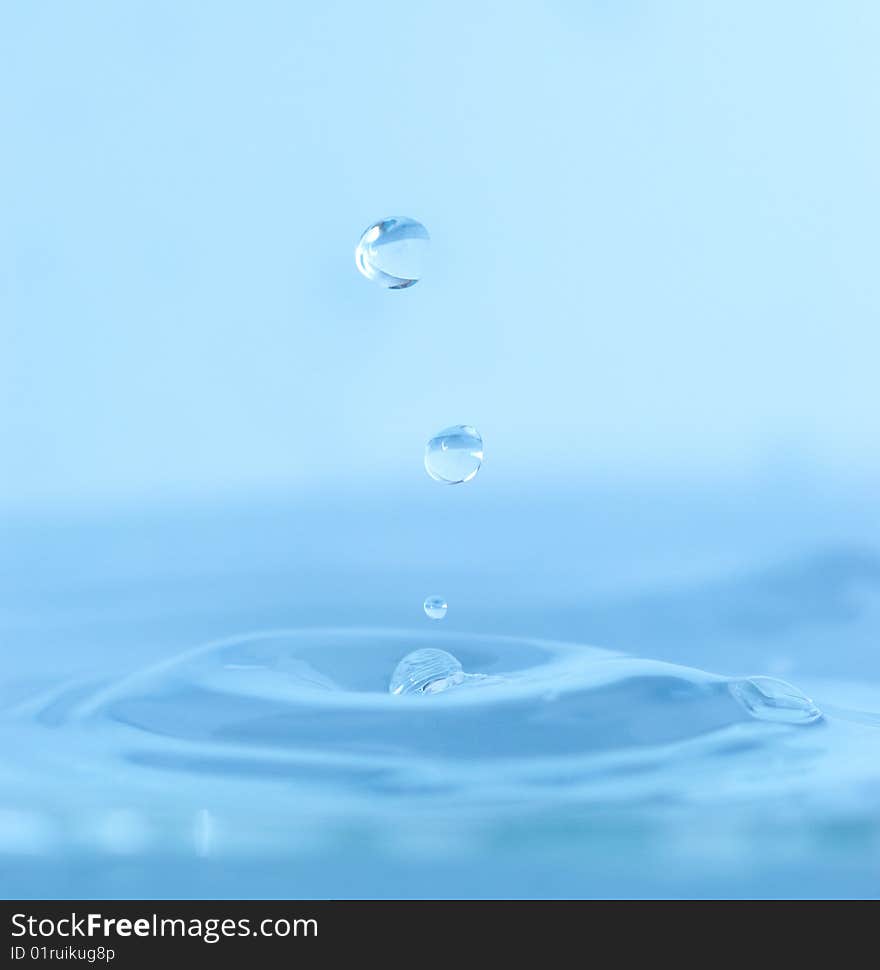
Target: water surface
x=202 y=708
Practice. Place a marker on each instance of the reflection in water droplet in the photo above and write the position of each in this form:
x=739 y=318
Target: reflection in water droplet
x=769 y=699
x=392 y=252
x=454 y=455
x=435 y=607
x=426 y=671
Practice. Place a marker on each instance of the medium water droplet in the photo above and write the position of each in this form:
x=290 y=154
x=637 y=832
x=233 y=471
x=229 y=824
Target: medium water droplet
x=426 y=671
x=435 y=607
x=392 y=252
x=769 y=699
x=454 y=455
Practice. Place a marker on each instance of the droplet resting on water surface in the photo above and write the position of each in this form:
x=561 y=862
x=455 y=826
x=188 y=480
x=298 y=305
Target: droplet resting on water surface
x=426 y=671
x=392 y=252
x=769 y=699
x=454 y=455
x=435 y=607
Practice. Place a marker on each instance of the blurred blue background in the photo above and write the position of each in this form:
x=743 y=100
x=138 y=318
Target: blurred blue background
x=653 y=289
x=654 y=242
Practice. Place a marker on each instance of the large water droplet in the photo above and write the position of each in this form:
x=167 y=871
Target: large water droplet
x=392 y=252
x=426 y=671
x=454 y=455
x=769 y=699
x=435 y=607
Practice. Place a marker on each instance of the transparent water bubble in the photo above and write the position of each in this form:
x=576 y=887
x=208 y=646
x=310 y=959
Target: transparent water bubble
x=769 y=699
x=426 y=671
x=454 y=455
x=393 y=252
x=435 y=607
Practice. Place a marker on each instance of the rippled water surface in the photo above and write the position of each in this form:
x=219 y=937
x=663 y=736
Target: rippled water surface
x=712 y=745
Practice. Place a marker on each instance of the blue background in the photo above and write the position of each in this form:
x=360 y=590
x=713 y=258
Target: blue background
x=653 y=287
x=654 y=243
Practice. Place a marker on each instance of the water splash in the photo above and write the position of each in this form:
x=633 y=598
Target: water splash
x=427 y=671
x=520 y=721
x=769 y=699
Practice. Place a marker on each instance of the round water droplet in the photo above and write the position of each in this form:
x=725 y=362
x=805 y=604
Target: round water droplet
x=454 y=455
x=769 y=699
x=426 y=671
x=393 y=252
x=435 y=607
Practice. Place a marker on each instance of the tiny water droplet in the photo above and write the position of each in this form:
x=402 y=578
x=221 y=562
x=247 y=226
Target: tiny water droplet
x=392 y=252
x=426 y=671
x=454 y=455
x=769 y=699
x=435 y=607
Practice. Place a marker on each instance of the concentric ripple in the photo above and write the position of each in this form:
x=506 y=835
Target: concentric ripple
x=238 y=745
x=322 y=696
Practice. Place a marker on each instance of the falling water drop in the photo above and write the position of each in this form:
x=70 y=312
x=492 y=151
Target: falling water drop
x=769 y=699
x=392 y=252
x=426 y=671
x=454 y=455
x=435 y=607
